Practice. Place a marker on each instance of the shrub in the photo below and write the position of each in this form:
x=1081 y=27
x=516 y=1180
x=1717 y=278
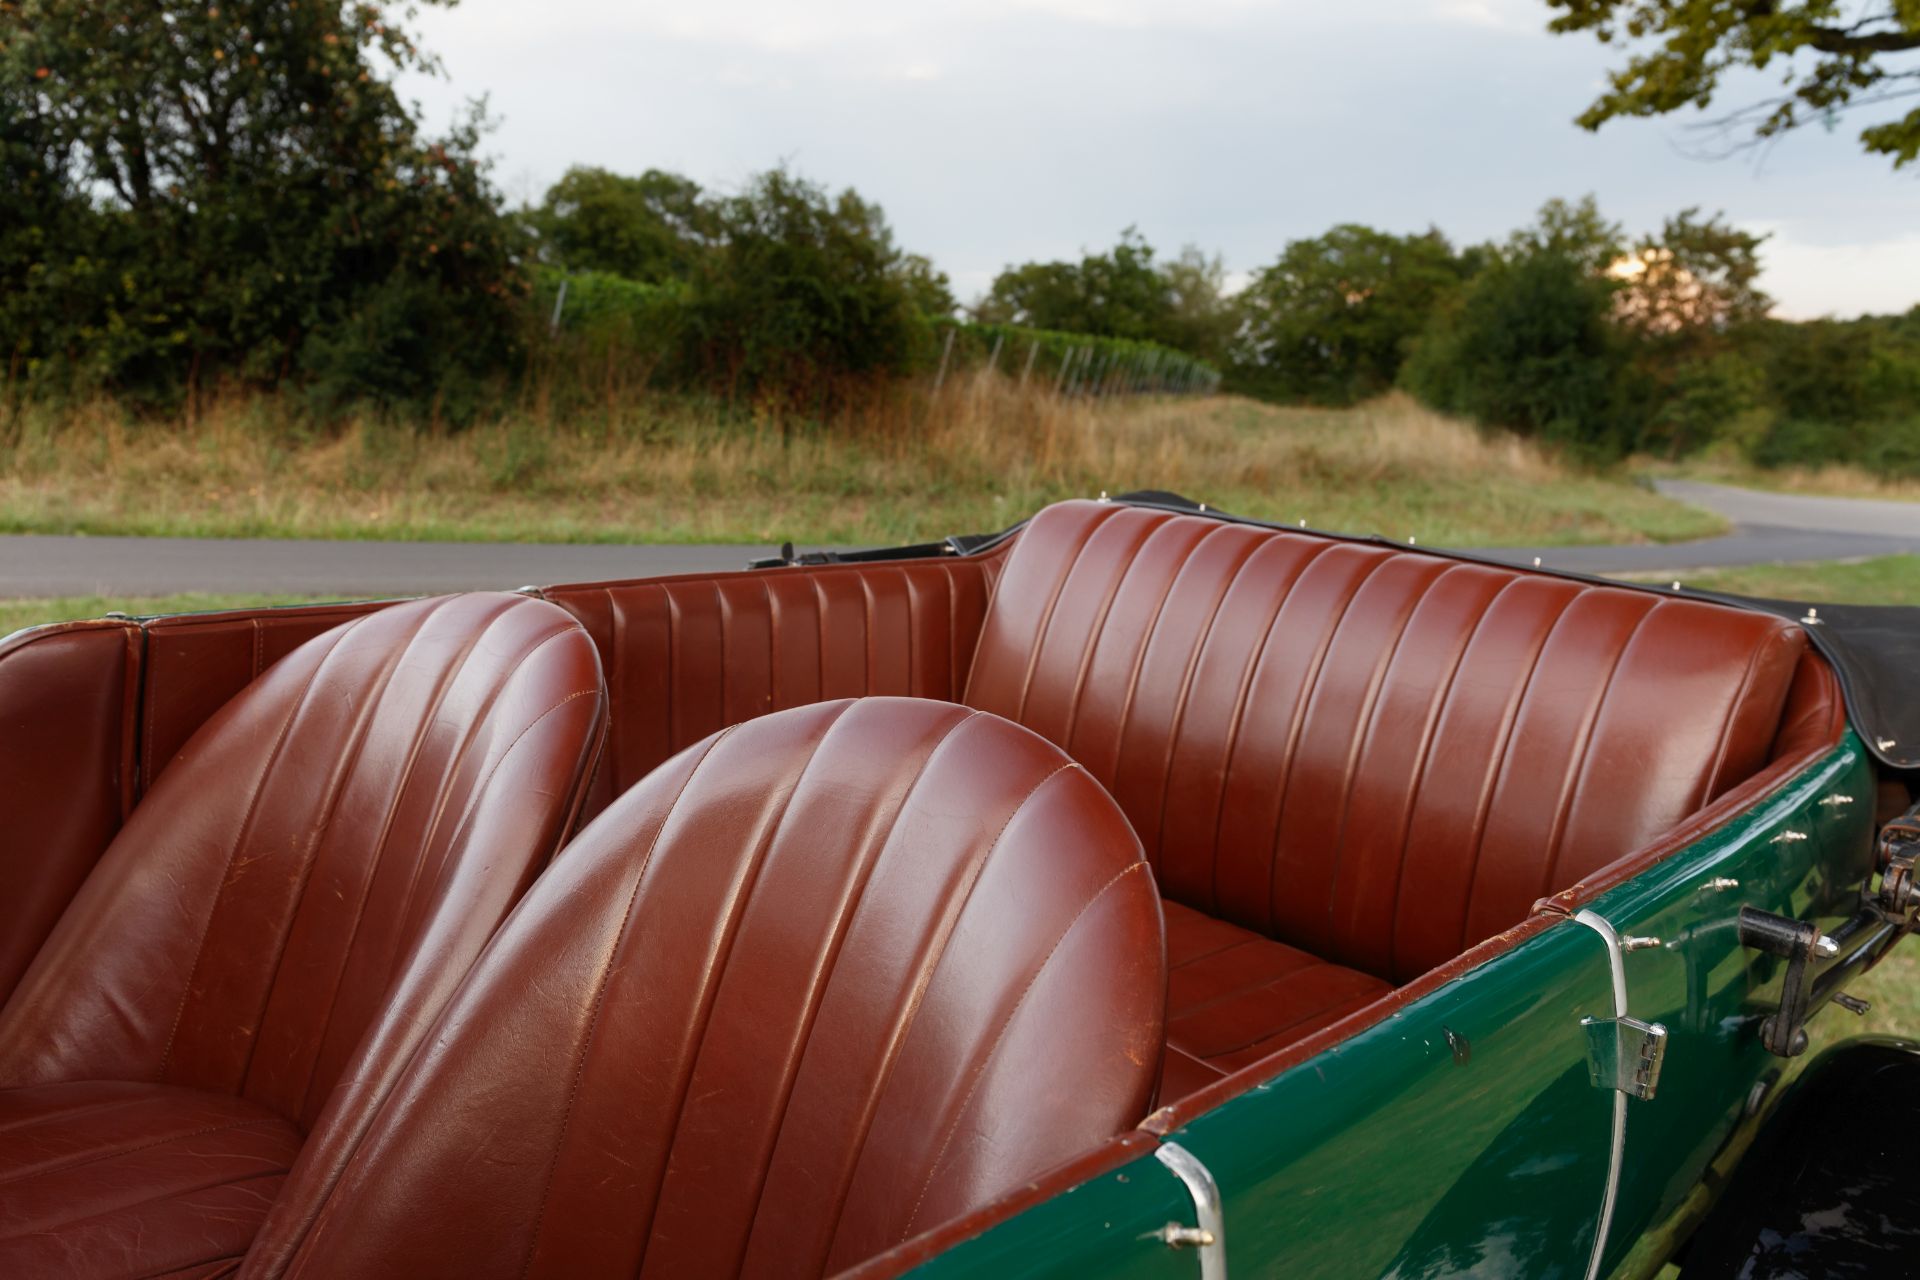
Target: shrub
x=1528 y=347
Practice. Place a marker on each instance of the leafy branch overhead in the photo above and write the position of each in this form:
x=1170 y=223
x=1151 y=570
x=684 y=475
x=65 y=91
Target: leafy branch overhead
x=1828 y=57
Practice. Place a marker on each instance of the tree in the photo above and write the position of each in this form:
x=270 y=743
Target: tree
x=652 y=228
x=927 y=285
x=1332 y=319
x=1528 y=346
x=805 y=294
x=1832 y=58
x=1202 y=318
x=1576 y=231
x=1695 y=279
x=1118 y=294
x=236 y=190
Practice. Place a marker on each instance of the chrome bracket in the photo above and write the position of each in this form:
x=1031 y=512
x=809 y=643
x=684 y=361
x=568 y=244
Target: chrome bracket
x=1625 y=1054
x=1208 y=1235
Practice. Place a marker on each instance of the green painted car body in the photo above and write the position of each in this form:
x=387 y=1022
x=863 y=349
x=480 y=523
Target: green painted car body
x=1463 y=1134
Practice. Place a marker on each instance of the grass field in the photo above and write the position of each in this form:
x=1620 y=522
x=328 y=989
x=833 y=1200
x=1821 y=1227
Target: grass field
x=976 y=459
x=1885 y=580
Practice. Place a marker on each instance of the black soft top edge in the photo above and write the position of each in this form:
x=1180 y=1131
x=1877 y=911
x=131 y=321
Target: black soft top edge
x=1874 y=649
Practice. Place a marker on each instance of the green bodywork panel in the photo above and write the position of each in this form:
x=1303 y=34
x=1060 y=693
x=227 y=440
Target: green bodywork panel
x=1462 y=1135
x=1711 y=993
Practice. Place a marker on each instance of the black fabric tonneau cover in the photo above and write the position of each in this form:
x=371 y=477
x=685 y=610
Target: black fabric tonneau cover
x=1875 y=650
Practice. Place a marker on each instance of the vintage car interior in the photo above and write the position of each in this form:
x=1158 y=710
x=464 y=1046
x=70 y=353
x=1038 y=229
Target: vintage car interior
x=899 y=886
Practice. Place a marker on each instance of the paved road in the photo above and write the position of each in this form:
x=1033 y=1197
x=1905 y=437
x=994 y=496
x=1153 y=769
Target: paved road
x=1769 y=527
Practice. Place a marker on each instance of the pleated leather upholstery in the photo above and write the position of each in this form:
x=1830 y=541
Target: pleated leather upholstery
x=688 y=656
x=275 y=926
x=1233 y=997
x=125 y=1179
x=1374 y=756
x=816 y=984
x=403 y=775
x=67 y=697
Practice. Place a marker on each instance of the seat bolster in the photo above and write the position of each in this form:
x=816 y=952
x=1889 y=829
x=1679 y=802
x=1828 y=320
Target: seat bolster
x=103 y=1178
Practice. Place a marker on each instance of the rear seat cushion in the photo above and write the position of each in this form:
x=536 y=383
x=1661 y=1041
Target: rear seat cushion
x=105 y=1178
x=1233 y=997
x=1378 y=756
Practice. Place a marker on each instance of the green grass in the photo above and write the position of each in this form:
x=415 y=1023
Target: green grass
x=1884 y=580
x=15 y=614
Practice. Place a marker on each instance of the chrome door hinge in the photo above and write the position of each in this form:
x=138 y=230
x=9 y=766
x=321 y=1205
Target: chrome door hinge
x=1625 y=1054
x=1208 y=1234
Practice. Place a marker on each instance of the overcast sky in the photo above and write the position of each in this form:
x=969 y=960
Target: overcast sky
x=1000 y=131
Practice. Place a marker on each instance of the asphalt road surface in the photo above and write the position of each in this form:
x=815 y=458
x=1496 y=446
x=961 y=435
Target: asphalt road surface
x=1769 y=527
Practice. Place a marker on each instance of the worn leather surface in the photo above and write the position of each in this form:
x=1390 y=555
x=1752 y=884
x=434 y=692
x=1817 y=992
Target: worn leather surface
x=66 y=771
x=280 y=919
x=399 y=777
x=196 y=663
x=129 y=1179
x=817 y=983
x=688 y=656
x=1378 y=757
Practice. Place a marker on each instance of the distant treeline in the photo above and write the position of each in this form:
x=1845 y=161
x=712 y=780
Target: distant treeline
x=196 y=199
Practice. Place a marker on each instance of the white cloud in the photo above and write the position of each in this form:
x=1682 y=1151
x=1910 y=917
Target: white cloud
x=1812 y=279
x=996 y=131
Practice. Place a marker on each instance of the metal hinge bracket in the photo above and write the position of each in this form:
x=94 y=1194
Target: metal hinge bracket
x=1625 y=1054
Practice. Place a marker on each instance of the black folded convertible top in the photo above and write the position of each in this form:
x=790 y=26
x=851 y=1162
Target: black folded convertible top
x=1875 y=650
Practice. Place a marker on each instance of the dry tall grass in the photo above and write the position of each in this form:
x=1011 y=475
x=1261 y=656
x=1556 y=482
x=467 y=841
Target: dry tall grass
x=904 y=466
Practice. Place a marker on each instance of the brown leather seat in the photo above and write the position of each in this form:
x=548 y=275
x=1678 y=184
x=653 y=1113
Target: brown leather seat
x=688 y=656
x=265 y=938
x=1355 y=762
x=817 y=983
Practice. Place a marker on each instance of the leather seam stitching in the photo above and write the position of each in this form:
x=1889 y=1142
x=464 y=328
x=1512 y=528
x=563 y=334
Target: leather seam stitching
x=1250 y=671
x=246 y=825
x=1309 y=692
x=903 y=1024
x=993 y=1047
x=261 y=1122
x=1563 y=811
x=1484 y=809
x=844 y=926
x=1436 y=714
x=599 y=998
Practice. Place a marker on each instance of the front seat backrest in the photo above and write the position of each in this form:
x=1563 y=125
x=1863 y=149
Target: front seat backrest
x=400 y=778
x=816 y=984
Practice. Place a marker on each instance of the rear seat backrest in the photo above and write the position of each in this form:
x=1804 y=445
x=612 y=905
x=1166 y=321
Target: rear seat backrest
x=1380 y=757
x=688 y=656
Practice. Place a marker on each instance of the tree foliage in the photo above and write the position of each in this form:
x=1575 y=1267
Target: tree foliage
x=235 y=190
x=1120 y=293
x=1830 y=56
x=1331 y=321
x=651 y=228
x=1528 y=346
x=804 y=293
x=1117 y=294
